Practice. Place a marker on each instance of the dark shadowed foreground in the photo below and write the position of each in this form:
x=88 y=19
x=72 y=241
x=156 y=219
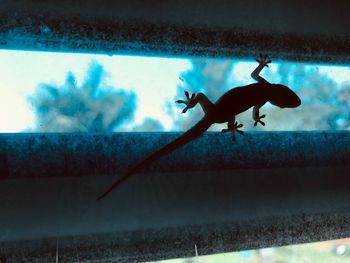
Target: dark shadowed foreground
x=267 y=189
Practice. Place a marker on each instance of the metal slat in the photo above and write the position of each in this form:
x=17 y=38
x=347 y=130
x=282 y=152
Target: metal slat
x=268 y=189
x=292 y=30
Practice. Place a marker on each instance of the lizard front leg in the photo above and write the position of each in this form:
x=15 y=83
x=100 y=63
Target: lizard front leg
x=192 y=101
x=233 y=126
x=256 y=115
x=263 y=62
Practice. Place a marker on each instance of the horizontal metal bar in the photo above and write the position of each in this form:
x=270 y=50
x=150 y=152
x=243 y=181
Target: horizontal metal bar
x=288 y=30
x=82 y=154
x=267 y=189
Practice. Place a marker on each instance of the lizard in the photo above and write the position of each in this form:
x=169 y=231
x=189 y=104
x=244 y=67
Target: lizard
x=230 y=104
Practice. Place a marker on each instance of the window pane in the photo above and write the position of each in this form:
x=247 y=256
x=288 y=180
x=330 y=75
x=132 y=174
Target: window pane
x=68 y=92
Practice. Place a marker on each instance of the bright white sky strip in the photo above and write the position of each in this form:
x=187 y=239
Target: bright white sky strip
x=153 y=79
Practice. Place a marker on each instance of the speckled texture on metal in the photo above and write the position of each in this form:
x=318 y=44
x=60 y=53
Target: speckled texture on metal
x=267 y=189
x=142 y=246
x=82 y=154
x=285 y=30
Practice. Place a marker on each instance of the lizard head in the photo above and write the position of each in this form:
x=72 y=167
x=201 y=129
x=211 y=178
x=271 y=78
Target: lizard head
x=284 y=97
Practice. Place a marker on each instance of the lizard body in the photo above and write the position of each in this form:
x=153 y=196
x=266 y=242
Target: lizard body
x=232 y=103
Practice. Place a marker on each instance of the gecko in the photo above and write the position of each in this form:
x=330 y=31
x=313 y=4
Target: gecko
x=232 y=103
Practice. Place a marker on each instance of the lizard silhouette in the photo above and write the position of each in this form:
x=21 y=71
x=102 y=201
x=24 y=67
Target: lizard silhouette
x=233 y=102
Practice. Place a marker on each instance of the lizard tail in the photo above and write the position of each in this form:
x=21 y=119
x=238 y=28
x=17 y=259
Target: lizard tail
x=193 y=133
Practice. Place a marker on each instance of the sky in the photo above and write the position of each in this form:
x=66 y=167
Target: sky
x=153 y=79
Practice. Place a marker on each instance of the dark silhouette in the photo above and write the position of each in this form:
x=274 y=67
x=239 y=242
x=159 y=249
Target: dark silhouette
x=233 y=102
x=210 y=76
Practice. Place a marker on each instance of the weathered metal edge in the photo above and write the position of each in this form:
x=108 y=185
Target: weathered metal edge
x=83 y=154
x=74 y=34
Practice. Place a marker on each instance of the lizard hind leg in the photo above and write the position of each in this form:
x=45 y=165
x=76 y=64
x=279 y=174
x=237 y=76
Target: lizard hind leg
x=233 y=126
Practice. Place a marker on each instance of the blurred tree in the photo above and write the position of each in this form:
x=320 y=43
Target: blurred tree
x=319 y=94
x=344 y=101
x=324 y=105
x=149 y=125
x=93 y=107
x=209 y=76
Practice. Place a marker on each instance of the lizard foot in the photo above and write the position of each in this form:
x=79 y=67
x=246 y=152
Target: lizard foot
x=263 y=60
x=233 y=127
x=257 y=120
x=190 y=102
